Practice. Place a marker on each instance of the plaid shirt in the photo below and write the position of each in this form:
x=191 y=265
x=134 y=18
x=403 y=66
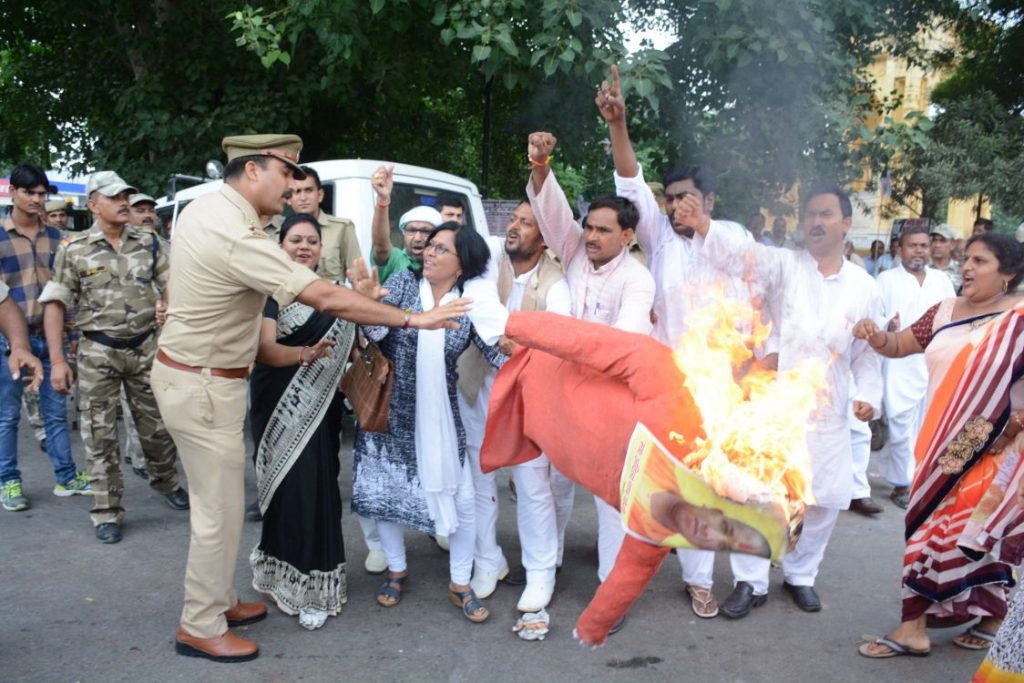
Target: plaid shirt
x=25 y=265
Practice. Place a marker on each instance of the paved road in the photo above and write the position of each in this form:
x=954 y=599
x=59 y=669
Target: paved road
x=76 y=610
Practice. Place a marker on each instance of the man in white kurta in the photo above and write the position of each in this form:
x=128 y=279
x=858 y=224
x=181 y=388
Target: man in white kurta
x=817 y=297
x=608 y=286
x=523 y=272
x=685 y=280
x=907 y=291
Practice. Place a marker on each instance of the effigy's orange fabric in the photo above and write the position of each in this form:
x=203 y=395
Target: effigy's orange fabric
x=575 y=390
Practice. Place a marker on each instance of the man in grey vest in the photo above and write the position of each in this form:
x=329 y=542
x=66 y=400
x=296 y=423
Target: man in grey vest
x=528 y=279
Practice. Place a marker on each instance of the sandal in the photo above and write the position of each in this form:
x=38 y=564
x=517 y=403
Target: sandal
x=390 y=594
x=470 y=605
x=702 y=602
x=895 y=649
x=964 y=639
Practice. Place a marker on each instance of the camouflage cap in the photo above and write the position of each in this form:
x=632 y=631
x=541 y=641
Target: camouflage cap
x=55 y=205
x=107 y=183
x=136 y=198
x=943 y=230
x=283 y=147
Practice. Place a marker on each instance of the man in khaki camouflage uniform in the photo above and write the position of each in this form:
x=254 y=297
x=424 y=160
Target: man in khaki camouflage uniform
x=114 y=274
x=339 y=246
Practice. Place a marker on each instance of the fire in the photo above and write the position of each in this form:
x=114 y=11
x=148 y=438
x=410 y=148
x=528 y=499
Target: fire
x=755 y=419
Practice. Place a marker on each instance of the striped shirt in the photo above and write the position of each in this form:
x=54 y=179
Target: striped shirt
x=25 y=265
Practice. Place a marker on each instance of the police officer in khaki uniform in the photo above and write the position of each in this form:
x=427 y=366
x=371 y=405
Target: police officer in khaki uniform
x=114 y=274
x=223 y=268
x=339 y=246
x=56 y=213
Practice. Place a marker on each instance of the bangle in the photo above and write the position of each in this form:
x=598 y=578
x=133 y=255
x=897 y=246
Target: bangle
x=302 y=362
x=406 y=320
x=383 y=205
x=59 y=361
x=539 y=164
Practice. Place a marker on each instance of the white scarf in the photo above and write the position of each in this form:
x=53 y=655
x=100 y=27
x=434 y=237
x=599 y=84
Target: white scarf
x=437 y=442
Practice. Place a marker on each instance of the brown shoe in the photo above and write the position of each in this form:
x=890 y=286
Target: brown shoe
x=226 y=648
x=865 y=506
x=245 y=613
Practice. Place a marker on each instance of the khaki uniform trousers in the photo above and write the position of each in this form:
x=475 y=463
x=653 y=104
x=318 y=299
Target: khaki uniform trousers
x=205 y=415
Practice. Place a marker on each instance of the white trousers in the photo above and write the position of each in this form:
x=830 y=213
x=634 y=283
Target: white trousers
x=860 y=445
x=896 y=463
x=545 y=501
x=370 y=532
x=460 y=557
x=610 y=535
x=698 y=568
x=799 y=566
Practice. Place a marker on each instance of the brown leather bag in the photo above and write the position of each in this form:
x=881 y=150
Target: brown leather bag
x=367 y=384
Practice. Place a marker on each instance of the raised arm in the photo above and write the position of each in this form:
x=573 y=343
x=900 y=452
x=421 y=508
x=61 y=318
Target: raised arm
x=612 y=105
x=383 y=182
x=551 y=208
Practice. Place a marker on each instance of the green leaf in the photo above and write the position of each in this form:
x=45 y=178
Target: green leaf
x=447 y=35
x=481 y=53
x=440 y=13
x=376 y=6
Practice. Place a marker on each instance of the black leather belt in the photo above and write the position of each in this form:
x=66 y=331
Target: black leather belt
x=114 y=342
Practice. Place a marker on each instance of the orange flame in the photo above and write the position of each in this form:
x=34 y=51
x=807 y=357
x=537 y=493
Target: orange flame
x=755 y=419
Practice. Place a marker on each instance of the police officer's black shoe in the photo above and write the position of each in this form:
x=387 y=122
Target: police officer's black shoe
x=141 y=472
x=108 y=532
x=177 y=499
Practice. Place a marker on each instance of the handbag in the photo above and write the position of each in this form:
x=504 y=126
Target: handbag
x=367 y=384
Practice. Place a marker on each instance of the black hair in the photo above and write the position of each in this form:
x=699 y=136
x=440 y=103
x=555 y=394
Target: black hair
x=29 y=177
x=294 y=220
x=470 y=248
x=311 y=173
x=449 y=199
x=844 y=199
x=1007 y=251
x=703 y=178
x=914 y=230
x=236 y=166
x=626 y=212
x=986 y=223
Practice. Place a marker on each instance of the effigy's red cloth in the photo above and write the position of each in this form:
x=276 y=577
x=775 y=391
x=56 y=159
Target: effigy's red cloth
x=575 y=391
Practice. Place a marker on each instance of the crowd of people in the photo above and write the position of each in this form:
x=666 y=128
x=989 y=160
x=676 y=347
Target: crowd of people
x=167 y=333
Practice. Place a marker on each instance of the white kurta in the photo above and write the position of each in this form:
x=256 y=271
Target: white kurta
x=906 y=379
x=816 y=315
x=684 y=278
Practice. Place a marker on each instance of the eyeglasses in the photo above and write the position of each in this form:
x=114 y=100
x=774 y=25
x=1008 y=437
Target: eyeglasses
x=438 y=248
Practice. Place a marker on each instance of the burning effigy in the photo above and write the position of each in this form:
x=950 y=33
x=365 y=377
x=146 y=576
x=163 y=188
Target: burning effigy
x=576 y=391
x=743 y=485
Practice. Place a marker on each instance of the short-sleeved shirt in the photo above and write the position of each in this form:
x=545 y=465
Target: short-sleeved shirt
x=339 y=244
x=397 y=261
x=114 y=290
x=223 y=268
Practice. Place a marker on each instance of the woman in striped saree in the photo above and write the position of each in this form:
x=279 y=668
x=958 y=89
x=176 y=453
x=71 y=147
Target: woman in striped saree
x=974 y=348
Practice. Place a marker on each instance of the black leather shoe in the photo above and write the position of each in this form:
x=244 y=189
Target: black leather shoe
x=516 y=577
x=141 y=473
x=804 y=597
x=865 y=506
x=741 y=601
x=617 y=626
x=108 y=532
x=177 y=499
x=253 y=514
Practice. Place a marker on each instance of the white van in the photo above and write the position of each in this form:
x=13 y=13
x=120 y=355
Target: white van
x=348 y=194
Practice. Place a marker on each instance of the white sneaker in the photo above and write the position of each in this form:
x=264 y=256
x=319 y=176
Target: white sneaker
x=312 y=619
x=484 y=583
x=442 y=543
x=536 y=596
x=376 y=562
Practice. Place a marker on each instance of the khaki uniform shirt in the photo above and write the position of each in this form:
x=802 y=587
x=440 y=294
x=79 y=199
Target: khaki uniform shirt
x=223 y=268
x=339 y=247
x=115 y=290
